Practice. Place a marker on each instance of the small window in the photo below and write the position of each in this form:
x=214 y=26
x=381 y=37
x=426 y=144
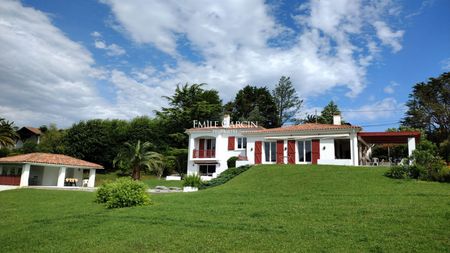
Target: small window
x=342 y=148
x=241 y=142
x=207 y=169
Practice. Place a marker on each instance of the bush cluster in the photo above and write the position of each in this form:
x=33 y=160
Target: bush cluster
x=192 y=180
x=123 y=192
x=224 y=177
x=231 y=162
x=421 y=165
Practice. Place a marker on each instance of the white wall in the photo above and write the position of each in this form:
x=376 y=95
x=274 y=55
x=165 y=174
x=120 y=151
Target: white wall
x=222 y=152
x=50 y=177
x=326 y=149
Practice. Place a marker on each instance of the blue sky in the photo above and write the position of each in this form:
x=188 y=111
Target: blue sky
x=64 y=61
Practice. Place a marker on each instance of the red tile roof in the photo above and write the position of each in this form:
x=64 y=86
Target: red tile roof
x=34 y=130
x=305 y=127
x=45 y=158
x=230 y=127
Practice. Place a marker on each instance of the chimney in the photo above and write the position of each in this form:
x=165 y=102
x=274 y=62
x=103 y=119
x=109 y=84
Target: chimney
x=226 y=120
x=336 y=119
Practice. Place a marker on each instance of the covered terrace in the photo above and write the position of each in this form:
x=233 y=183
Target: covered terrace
x=369 y=139
x=43 y=169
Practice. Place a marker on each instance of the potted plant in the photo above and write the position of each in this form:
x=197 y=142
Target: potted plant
x=191 y=183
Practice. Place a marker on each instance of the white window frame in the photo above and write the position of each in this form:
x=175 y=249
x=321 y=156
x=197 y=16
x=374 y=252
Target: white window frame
x=270 y=152
x=304 y=152
x=242 y=141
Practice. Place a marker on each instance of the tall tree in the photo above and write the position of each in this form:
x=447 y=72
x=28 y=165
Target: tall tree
x=52 y=140
x=429 y=108
x=286 y=99
x=137 y=157
x=251 y=101
x=188 y=103
x=8 y=135
x=326 y=116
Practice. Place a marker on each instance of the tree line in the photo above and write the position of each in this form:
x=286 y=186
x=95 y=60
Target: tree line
x=101 y=140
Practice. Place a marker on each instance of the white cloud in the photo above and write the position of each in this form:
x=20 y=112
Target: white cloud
x=389 y=37
x=390 y=89
x=233 y=39
x=445 y=64
x=375 y=111
x=44 y=76
x=111 y=50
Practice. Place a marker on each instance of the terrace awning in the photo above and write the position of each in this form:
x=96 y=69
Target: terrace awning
x=389 y=137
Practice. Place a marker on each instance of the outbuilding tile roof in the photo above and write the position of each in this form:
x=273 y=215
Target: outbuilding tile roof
x=34 y=130
x=45 y=158
x=305 y=127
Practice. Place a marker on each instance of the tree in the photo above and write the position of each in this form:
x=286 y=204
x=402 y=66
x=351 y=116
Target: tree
x=52 y=140
x=326 y=116
x=310 y=118
x=96 y=140
x=8 y=135
x=286 y=100
x=429 y=108
x=249 y=101
x=137 y=157
x=188 y=103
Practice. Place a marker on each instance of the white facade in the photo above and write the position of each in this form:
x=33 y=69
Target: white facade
x=333 y=144
x=216 y=155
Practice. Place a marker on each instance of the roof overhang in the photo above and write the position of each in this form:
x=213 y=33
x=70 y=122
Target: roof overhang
x=388 y=137
x=301 y=137
x=51 y=165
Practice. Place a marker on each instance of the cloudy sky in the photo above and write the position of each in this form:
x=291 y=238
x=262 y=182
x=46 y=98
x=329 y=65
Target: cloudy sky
x=64 y=61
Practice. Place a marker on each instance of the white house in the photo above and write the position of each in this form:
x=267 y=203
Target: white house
x=43 y=169
x=334 y=144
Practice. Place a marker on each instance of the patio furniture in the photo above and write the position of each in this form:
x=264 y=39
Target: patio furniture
x=85 y=182
x=375 y=161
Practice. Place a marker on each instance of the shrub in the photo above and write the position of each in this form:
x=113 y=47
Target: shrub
x=123 y=192
x=231 y=162
x=423 y=165
x=192 y=180
x=224 y=177
x=398 y=172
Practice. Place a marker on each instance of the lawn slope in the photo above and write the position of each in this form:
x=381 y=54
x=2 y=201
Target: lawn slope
x=267 y=208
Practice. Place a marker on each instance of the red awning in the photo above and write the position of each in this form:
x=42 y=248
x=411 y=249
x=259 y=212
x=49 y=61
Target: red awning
x=389 y=137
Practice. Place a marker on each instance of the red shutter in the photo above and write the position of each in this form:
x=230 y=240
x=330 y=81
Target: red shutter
x=231 y=143
x=258 y=152
x=315 y=151
x=291 y=152
x=280 y=151
x=201 y=148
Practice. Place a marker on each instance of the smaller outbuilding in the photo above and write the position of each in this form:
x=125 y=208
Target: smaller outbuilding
x=43 y=169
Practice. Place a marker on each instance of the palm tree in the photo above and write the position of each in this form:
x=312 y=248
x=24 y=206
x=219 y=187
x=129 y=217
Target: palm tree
x=8 y=135
x=138 y=157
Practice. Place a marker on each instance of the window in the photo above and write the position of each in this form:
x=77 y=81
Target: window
x=342 y=148
x=242 y=142
x=304 y=151
x=270 y=151
x=207 y=169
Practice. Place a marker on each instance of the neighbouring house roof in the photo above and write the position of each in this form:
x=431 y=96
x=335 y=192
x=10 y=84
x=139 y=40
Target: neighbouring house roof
x=46 y=158
x=388 y=137
x=308 y=127
x=33 y=130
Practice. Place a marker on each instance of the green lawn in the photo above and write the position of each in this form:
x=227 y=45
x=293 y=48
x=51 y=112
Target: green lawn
x=267 y=208
x=151 y=181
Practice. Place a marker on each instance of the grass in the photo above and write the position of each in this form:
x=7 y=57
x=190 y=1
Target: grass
x=265 y=209
x=150 y=180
